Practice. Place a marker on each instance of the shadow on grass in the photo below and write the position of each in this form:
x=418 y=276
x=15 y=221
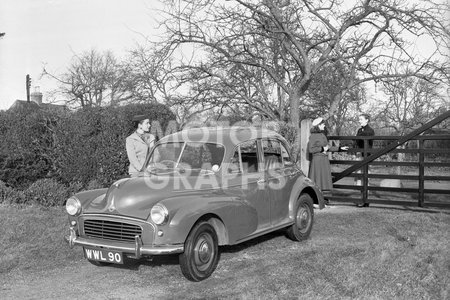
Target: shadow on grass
x=399 y=207
x=433 y=203
x=169 y=260
x=253 y=242
x=134 y=264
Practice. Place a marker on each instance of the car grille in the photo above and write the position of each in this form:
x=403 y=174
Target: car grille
x=110 y=230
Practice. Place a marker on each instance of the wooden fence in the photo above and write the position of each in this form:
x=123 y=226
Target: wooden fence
x=403 y=170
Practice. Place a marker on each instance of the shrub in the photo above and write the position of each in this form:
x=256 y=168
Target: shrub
x=73 y=147
x=5 y=192
x=47 y=192
x=26 y=151
x=19 y=170
x=9 y=195
x=91 y=142
x=75 y=187
x=17 y=197
x=287 y=131
x=94 y=184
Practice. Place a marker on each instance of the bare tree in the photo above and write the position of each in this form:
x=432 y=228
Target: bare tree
x=321 y=96
x=147 y=72
x=155 y=80
x=291 y=42
x=94 y=79
x=188 y=90
x=411 y=103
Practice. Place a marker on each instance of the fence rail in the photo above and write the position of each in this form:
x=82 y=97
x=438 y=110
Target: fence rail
x=406 y=179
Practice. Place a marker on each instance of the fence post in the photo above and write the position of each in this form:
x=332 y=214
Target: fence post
x=365 y=173
x=421 y=173
x=305 y=131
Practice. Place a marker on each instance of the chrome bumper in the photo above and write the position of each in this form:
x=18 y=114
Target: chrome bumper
x=138 y=249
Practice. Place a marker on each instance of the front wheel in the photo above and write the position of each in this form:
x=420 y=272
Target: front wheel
x=303 y=219
x=201 y=252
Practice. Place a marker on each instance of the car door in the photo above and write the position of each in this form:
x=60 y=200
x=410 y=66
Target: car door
x=246 y=181
x=280 y=175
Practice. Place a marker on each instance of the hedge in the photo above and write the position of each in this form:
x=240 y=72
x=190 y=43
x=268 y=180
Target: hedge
x=81 y=147
x=26 y=148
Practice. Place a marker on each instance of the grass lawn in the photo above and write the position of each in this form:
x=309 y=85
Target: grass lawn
x=369 y=253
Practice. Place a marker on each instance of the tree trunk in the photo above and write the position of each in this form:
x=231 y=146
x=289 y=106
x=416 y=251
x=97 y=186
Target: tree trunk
x=294 y=101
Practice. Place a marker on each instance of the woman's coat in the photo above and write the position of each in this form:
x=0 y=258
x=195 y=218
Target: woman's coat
x=320 y=169
x=137 y=151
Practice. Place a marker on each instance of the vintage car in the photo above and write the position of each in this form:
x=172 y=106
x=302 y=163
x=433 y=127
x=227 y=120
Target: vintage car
x=201 y=188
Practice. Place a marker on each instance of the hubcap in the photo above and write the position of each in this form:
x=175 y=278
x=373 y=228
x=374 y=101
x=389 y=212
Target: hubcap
x=303 y=219
x=204 y=251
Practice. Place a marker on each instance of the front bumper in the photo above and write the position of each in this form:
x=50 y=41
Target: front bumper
x=137 y=250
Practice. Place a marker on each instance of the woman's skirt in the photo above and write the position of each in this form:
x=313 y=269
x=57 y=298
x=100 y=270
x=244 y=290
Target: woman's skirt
x=320 y=172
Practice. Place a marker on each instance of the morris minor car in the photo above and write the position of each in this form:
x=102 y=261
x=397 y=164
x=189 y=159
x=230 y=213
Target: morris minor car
x=200 y=189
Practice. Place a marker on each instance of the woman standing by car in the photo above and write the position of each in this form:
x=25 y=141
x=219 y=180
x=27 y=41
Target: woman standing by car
x=138 y=144
x=320 y=169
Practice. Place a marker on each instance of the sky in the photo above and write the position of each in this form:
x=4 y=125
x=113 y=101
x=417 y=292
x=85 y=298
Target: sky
x=49 y=32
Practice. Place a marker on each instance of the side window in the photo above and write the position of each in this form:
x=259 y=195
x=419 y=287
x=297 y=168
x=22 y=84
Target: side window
x=249 y=156
x=286 y=157
x=272 y=154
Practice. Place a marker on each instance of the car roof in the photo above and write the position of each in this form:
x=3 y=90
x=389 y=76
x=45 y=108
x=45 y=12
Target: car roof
x=221 y=135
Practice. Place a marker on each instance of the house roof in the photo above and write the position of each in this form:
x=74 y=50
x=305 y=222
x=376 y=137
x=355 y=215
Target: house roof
x=23 y=103
x=20 y=104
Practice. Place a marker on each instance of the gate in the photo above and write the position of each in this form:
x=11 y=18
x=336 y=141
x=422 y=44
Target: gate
x=424 y=175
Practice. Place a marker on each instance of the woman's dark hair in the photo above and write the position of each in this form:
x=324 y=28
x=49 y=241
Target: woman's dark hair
x=316 y=129
x=136 y=123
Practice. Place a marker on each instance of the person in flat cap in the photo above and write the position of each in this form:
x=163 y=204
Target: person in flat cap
x=138 y=144
x=320 y=169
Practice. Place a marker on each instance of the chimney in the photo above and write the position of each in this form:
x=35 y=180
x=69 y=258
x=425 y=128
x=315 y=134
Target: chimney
x=36 y=96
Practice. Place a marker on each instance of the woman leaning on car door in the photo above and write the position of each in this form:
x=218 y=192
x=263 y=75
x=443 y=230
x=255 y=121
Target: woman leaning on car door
x=138 y=144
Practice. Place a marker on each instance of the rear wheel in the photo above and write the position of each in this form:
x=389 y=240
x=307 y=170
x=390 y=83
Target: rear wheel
x=201 y=253
x=303 y=219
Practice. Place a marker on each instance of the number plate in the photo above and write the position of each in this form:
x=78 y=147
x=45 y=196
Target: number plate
x=107 y=256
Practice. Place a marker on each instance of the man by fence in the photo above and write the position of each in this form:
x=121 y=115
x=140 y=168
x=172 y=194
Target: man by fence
x=364 y=130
